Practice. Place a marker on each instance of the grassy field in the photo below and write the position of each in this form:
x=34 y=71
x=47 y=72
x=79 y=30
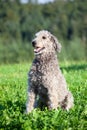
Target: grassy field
x=13 y=86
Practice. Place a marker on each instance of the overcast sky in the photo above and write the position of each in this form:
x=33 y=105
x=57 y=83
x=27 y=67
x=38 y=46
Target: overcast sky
x=40 y=1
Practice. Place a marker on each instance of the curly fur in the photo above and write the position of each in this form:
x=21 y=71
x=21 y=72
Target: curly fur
x=47 y=85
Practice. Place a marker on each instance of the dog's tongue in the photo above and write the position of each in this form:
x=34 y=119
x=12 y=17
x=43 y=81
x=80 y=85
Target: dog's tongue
x=36 y=50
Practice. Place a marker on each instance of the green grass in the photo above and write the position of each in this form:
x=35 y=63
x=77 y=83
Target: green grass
x=13 y=86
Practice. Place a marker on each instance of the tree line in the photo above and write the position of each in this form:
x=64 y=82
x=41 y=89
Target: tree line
x=66 y=19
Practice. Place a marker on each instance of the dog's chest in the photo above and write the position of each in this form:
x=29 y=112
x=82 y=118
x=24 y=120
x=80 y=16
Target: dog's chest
x=38 y=80
x=35 y=73
x=40 y=75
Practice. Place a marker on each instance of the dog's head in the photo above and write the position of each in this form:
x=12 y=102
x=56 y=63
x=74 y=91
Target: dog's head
x=45 y=42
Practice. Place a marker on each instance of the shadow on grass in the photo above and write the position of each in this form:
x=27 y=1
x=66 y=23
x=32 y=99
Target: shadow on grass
x=75 y=67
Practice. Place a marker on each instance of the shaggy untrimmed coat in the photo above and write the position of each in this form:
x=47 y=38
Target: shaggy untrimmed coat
x=47 y=85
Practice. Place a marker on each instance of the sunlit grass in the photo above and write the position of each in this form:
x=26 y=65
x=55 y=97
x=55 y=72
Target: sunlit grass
x=13 y=87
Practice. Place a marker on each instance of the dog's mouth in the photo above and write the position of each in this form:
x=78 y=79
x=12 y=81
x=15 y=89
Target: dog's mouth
x=38 y=50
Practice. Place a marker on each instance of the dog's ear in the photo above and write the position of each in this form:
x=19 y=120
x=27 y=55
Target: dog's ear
x=56 y=44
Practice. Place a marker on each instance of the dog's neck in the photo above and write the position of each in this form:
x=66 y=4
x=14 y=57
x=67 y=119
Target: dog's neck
x=45 y=59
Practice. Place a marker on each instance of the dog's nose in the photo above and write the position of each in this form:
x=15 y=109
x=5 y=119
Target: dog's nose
x=33 y=43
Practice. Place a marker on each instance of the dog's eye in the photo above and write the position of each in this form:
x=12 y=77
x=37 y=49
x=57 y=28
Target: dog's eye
x=43 y=37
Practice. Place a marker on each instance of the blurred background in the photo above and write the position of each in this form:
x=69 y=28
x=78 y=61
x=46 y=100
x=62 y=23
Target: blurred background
x=21 y=19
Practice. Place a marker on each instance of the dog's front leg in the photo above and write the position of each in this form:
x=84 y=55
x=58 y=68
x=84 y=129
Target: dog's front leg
x=52 y=102
x=30 y=101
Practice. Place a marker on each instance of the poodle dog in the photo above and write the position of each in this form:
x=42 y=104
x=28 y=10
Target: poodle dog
x=47 y=85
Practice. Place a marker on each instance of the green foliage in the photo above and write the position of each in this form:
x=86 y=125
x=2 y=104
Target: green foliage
x=15 y=52
x=66 y=19
x=73 y=50
x=76 y=50
x=13 y=86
